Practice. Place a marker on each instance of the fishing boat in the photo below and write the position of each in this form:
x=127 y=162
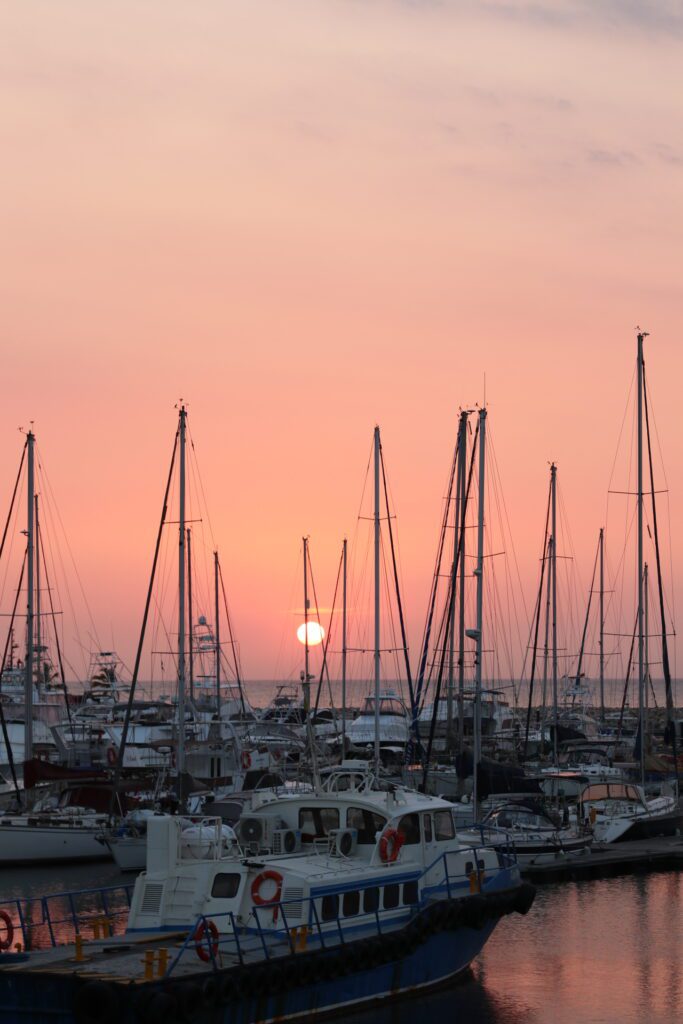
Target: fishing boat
x=315 y=903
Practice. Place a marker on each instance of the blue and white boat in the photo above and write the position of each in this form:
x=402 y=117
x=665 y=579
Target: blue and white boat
x=317 y=902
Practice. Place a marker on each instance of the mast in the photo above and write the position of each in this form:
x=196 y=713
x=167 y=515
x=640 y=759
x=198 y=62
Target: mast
x=641 y=602
x=217 y=630
x=646 y=653
x=344 y=582
x=377 y=595
x=479 y=573
x=180 y=761
x=306 y=649
x=190 y=651
x=553 y=570
x=39 y=672
x=601 y=640
x=462 y=498
x=454 y=578
x=30 y=542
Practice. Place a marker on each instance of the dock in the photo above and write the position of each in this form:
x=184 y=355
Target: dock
x=608 y=860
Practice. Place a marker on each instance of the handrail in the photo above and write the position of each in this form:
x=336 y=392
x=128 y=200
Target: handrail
x=76 y=917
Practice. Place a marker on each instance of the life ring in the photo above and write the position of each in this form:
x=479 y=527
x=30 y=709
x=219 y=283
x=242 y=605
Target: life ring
x=246 y=759
x=204 y=953
x=390 y=845
x=266 y=876
x=112 y=756
x=9 y=926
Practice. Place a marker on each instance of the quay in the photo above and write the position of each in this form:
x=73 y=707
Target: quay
x=607 y=860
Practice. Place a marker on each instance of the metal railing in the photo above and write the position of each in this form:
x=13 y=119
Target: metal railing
x=309 y=932
x=55 y=920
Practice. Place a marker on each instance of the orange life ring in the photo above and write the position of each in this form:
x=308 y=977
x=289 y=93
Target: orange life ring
x=265 y=876
x=246 y=759
x=206 y=951
x=390 y=845
x=9 y=925
x=112 y=756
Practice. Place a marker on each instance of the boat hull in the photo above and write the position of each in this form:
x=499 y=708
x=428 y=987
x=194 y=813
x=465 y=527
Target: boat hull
x=428 y=953
x=33 y=844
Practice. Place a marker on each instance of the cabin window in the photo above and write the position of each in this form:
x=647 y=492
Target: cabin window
x=316 y=822
x=427 y=827
x=370 y=900
x=366 y=823
x=225 y=886
x=390 y=896
x=443 y=826
x=351 y=904
x=330 y=907
x=409 y=827
x=409 y=893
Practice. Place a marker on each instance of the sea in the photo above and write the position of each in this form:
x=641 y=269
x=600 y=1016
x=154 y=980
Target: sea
x=590 y=952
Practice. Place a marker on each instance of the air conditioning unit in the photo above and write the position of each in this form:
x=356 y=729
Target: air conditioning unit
x=255 y=831
x=343 y=841
x=286 y=840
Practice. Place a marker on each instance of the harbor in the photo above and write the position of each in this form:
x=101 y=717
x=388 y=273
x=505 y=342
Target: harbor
x=340 y=512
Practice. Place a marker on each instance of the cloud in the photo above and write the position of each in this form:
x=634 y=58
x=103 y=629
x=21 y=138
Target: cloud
x=613 y=157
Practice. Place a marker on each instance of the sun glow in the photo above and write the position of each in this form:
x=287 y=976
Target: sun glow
x=316 y=633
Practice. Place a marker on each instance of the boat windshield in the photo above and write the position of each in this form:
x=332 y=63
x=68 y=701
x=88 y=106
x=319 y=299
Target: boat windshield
x=388 y=706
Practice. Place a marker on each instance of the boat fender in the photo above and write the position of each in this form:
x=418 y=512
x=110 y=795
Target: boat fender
x=276 y=979
x=476 y=912
x=189 y=999
x=206 y=948
x=161 y=1009
x=6 y=943
x=112 y=756
x=228 y=987
x=210 y=992
x=246 y=759
x=439 y=916
x=525 y=897
x=420 y=928
x=96 y=1003
x=390 y=844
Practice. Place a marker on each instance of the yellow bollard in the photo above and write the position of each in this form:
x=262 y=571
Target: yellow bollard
x=474 y=881
x=17 y=947
x=78 y=942
x=303 y=938
x=163 y=963
x=148 y=965
x=294 y=932
x=95 y=927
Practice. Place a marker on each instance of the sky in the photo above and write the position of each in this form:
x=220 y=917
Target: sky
x=306 y=217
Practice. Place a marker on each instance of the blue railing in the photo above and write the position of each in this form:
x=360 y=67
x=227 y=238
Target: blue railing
x=56 y=919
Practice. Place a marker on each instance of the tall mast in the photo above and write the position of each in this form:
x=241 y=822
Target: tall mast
x=190 y=619
x=181 y=600
x=641 y=638
x=454 y=582
x=548 y=595
x=601 y=640
x=462 y=498
x=217 y=630
x=39 y=672
x=377 y=594
x=553 y=570
x=306 y=648
x=344 y=579
x=646 y=654
x=30 y=548
x=479 y=573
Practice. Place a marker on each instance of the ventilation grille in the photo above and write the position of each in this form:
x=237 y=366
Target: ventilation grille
x=151 y=898
x=293 y=910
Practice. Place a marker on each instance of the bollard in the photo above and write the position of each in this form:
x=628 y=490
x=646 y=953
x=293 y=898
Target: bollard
x=78 y=942
x=294 y=932
x=149 y=964
x=303 y=938
x=474 y=881
x=96 y=927
x=163 y=963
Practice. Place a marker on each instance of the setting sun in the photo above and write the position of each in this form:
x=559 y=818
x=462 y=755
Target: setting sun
x=316 y=633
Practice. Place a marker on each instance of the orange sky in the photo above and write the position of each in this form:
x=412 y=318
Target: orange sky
x=308 y=217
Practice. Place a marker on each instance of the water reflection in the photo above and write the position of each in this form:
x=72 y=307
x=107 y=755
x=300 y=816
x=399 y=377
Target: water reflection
x=604 y=952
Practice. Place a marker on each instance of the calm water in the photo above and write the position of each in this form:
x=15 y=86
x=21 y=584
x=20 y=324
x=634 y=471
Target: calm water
x=602 y=952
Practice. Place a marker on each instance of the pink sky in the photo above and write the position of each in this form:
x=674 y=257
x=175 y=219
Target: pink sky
x=308 y=217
